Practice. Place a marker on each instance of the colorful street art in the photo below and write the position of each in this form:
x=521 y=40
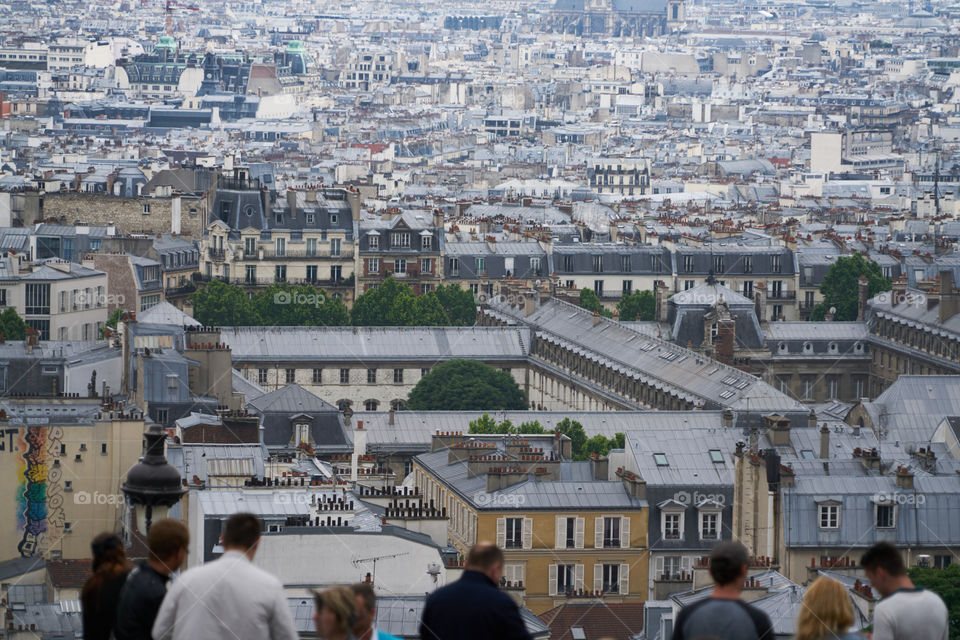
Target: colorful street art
x=39 y=497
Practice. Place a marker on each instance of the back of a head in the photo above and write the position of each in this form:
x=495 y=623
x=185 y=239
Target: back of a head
x=826 y=611
x=884 y=555
x=726 y=561
x=241 y=531
x=483 y=556
x=166 y=538
x=365 y=591
x=341 y=602
x=107 y=550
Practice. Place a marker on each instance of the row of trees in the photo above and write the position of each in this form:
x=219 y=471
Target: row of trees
x=284 y=304
x=581 y=446
x=639 y=305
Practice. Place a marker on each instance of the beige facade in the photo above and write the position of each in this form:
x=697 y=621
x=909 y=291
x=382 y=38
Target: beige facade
x=61 y=482
x=153 y=215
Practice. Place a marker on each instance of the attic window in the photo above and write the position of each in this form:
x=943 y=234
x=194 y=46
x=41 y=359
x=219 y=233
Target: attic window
x=716 y=456
x=661 y=459
x=807 y=454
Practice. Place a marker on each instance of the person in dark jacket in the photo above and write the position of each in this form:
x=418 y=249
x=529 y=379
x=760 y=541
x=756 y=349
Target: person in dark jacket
x=473 y=607
x=101 y=591
x=146 y=585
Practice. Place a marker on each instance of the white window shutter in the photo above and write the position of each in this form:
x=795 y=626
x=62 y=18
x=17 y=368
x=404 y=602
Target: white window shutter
x=659 y=569
x=528 y=533
x=624 y=579
x=522 y=574
x=501 y=532
x=598 y=577
x=685 y=564
x=625 y=532
x=552 y=577
x=561 y=538
x=578 y=533
x=578 y=577
x=598 y=533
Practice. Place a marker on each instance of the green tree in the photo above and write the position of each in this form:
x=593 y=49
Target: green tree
x=486 y=424
x=531 y=427
x=840 y=288
x=223 y=305
x=112 y=321
x=946 y=584
x=283 y=304
x=639 y=305
x=428 y=311
x=590 y=302
x=459 y=305
x=601 y=445
x=466 y=385
x=391 y=304
x=483 y=424
x=578 y=437
x=12 y=325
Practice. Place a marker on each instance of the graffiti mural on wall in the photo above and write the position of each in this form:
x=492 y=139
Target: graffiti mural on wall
x=39 y=501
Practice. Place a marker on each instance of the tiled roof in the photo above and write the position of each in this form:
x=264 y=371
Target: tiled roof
x=68 y=574
x=596 y=619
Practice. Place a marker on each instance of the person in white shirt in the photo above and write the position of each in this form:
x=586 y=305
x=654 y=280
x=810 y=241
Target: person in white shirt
x=229 y=598
x=906 y=612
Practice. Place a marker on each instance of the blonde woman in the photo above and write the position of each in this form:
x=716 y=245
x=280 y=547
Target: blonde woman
x=826 y=613
x=336 y=613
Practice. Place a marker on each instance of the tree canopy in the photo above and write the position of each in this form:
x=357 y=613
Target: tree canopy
x=946 y=584
x=393 y=304
x=12 y=325
x=283 y=304
x=223 y=305
x=840 y=288
x=591 y=302
x=115 y=317
x=466 y=385
x=639 y=305
x=486 y=424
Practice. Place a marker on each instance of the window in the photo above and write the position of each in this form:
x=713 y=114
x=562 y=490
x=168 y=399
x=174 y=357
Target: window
x=829 y=516
x=625 y=265
x=103 y=448
x=598 y=288
x=627 y=287
x=149 y=301
x=344 y=376
x=335 y=247
x=336 y=273
x=250 y=274
x=373 y=242
x=671 y=567
x=261 y=376
x=426 y=242
x=886 y=516
x=280 y=273
x=310 y=218
x=426 y=265
x=708 y=526
x=807 y=382
x=281 y=247
x=565 y=578
x=570 y=533
x=311 y=273
x=311 y=246
x=716 y=456
x=479 y=265
x=718 y=264
x=398 y=376
x=399 y=265
x=775 y=263
x=334 y=219
x=671 y=526
x=162 y=416
x=688 y=264
x=249 y=247
x=535 y=265
x=370 y=405
x=373 y=265
x=3 y=298
x=401 y=240
x=514 y=538
x=290 y=375
x=317 y=376
x=661 y=459
x=598 y=264
x=611 y=578
x=611 y=533
x=568 y=264
x=747 y=264
x=371 y=376
x=454 y=267
x=146 y=209
x=424 y=371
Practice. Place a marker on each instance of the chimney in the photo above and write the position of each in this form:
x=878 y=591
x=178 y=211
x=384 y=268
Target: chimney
x=438 y=218
x=660 y=293
x=760 y=301
x=862 y=285
x=904 y=478
x=949 y=300
x=727 y=419
x=390 y=416
x=754 y=439
x=596 y=318
x=530 y=303
x=812 y=420
x=723 y=348
x=778 y=429
x=600 y=466
x=825 y=442
x=899 y=290
x=291 y=202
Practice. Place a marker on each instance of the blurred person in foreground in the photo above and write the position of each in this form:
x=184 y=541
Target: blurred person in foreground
x=474 y=607
x=228 y=598
x=724 y=616
x=826 y=613
x=146 y=585
x=101 y=591
x=367 y=613
x=906 y=612
x=336 y=613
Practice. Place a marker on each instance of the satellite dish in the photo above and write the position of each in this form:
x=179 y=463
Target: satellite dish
x=538 y=284
x=833 y=311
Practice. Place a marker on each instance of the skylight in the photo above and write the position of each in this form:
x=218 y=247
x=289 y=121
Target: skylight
x=716 y=455
x=661 y=459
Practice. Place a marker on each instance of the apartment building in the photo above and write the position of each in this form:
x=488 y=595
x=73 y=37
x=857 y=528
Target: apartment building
x=620 y=176
x=611 y=270
x=407 y=246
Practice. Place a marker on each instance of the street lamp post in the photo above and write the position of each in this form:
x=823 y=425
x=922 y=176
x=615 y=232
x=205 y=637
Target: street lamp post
x=153 y=485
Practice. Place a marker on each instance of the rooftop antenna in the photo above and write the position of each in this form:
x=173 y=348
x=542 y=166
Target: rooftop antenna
x=358 y=561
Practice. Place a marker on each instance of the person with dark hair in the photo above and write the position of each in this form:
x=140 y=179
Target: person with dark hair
x=367 y=613
x=473 y=607
x=146 y=585
x=906 y=611
x=229 y=597
x=724 y=616
x=101 y=591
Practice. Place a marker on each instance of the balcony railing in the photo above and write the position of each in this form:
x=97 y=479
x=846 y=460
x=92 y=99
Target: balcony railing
x=298 y=254
x=782 y=295
x=216 y=254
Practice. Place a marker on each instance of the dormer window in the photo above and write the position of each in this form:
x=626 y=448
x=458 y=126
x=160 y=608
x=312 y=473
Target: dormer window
x=302 y=431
